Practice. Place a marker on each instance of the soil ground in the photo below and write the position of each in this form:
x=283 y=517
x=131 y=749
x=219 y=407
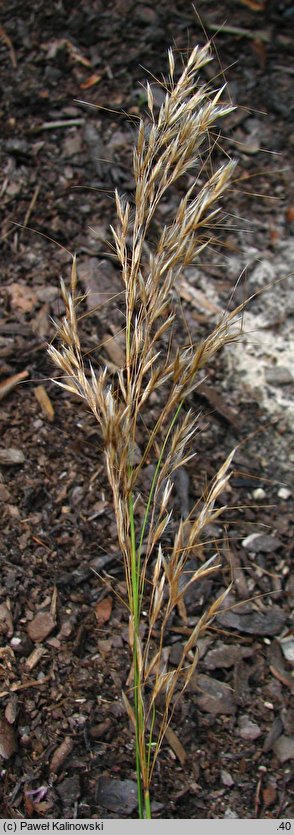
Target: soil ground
x=66 y=746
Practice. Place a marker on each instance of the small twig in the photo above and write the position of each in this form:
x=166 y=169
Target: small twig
x=256 y=35
x=287 y=70
x=61 y=123
x=7 y=234
x=27 y=215
x=25 y=686
x=4 y=37
x=31 y=206
x=4 y=186
x=7 y=385
x=53 y=606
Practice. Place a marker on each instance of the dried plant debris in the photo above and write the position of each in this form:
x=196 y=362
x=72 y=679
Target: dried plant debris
x=8 y=744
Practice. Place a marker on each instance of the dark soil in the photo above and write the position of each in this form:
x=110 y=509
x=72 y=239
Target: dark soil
x=64 y=734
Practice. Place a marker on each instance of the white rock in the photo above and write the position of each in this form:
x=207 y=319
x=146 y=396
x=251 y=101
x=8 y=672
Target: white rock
x=259 y=494
x=284 y=493
x=229 y=813
x=249 y=540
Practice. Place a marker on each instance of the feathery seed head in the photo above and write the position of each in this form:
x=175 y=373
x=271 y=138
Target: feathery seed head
x=169 y=147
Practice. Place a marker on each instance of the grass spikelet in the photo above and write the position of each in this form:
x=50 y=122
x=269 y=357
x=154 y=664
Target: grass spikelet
x=168 y=146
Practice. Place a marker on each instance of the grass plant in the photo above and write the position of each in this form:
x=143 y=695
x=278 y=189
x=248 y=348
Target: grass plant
x=172 y=141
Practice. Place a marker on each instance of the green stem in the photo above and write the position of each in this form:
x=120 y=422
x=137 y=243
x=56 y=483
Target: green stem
x=134 y=570
x=144 y=807
x=147 y=804
x=151 y=738
x=134 y=604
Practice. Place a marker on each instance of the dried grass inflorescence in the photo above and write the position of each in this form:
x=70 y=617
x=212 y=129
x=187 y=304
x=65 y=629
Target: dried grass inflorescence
x=171 y=143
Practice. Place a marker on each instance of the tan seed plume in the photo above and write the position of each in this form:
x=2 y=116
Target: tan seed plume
x=171 y=143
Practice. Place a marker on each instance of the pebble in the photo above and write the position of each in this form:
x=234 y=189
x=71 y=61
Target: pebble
x=284 y=493
x=273 y=734
x=117 y=795
x=278 y=375
x=72 y=144
x=40 y=627
x=259 y=494
x=287 y=646
x=213 y=696
x=226 y=778
x=4 y=494
x=11 y=709
x=229 y=813
x=16 y=146
x=287 y=717
x=146 y=15
x=226 y=655
x=69 y=790
x=259 y=542
x=176 y=653
x=21 y=645
x=11 y=456
x=284 y=748
x=248 y=730
x=6 y=622
x=255 y=623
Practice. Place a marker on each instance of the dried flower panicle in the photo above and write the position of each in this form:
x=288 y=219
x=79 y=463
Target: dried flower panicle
x=169 y=145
